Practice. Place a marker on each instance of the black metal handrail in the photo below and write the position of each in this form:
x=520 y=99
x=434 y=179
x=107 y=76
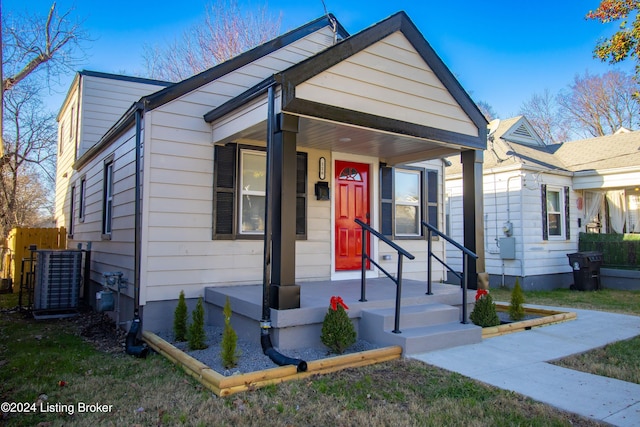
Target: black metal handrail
x=397 y=280
x=464 y=277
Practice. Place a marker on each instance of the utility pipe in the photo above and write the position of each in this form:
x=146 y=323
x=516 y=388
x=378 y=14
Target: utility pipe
x=133 y=345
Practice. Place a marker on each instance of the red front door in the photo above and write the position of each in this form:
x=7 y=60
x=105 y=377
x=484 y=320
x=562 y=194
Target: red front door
x=352 y=201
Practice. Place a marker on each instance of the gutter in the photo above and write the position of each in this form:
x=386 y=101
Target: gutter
x=133 y=343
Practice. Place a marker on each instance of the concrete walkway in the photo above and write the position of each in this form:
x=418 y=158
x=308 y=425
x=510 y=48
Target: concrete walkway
x=518 y=362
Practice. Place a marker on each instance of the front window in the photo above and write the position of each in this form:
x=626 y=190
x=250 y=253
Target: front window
x=407 y=202
x=239 y=192
x=408 y=196
x=252 y=191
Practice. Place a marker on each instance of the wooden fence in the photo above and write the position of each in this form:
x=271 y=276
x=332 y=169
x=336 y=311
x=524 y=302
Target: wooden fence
x=18 y=243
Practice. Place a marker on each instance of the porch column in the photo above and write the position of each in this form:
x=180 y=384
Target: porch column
x=285 y=294
x=473 y=210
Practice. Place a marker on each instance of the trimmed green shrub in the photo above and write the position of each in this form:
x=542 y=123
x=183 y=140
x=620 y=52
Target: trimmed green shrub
x=197 y=337
x=484 y=313
x=180 y=319
x=228 y=351
x=516 y=310
x=338 y=332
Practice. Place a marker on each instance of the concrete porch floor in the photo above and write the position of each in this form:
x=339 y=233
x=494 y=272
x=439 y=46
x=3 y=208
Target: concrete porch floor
x=301 y=327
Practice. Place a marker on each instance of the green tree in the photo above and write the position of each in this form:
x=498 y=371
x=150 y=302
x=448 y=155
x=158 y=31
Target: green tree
x=180 y=319
x=228 y=346
x=197 y=337
x=484 y=312
x=338 y=332
x=516 y=309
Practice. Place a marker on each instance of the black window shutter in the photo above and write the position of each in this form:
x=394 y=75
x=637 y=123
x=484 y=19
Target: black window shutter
x=301 y=195
x=567 y=220
x=224 y=191
x=432 y=198
x=543 y=195
x=386 y=200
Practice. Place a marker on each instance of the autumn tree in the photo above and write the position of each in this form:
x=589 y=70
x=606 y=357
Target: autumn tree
x=624 y=43
x=226 y=31
x=598 y=105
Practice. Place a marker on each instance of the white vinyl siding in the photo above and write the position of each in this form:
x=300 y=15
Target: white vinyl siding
x=389 y=79
x=104 y=101
x=514 y=197
x=178 y=196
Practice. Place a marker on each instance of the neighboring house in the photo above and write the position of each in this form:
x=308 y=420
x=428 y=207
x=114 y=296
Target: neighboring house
x=167 y=181
x=607 y=173
x=538 y=198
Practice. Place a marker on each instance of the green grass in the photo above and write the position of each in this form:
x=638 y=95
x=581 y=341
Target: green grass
x=620 y=360
x=615 y=301
x=36 y=355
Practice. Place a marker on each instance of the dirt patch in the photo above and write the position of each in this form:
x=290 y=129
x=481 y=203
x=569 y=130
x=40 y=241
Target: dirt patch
x=100 y=331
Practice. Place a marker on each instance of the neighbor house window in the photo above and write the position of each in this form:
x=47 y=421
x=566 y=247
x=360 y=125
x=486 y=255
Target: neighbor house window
x=408 y=197
x=83 y=195
x=555 y=212
x=107 y=201
x=239 y=197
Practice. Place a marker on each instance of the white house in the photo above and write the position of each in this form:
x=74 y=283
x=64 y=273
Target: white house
x=538 y=198
x=167 y=181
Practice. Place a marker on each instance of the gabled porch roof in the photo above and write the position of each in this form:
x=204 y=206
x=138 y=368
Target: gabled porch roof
x=383 y=91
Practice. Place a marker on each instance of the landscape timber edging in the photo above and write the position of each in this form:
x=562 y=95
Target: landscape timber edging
x=224 y=386
x=549 y=317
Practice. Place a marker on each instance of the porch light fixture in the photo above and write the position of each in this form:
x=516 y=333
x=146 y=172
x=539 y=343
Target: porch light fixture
x=322 y=168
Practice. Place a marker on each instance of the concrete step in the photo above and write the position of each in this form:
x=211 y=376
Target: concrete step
x=428 y=338
x=423 y=328
x=410 y=316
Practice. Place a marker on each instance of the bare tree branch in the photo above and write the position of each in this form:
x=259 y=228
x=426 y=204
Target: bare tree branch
x=225 y=32
x=30 y=43
x=600 y=105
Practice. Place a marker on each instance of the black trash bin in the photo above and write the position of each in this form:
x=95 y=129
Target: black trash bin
x=586 y=270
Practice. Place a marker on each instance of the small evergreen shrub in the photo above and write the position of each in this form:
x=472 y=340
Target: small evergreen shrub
x=197 y=337
x=484 y=313
x=338 y=332
x=228 y=351
x=516 y=310
x=180 y=319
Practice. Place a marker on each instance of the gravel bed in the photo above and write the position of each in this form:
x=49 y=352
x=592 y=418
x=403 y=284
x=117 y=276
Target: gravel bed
x=252 y=357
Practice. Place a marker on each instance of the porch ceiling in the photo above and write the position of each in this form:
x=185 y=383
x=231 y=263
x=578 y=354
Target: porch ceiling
x=391 y=148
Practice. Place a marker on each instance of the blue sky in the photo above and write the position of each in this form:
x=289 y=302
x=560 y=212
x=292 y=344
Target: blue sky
x=501 y=51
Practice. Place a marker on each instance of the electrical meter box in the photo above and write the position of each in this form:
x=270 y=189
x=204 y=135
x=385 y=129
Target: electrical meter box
x=508 y=248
